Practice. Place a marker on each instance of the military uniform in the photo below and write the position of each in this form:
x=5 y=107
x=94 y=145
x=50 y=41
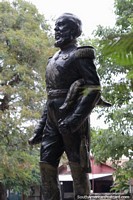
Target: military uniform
x=65 y=127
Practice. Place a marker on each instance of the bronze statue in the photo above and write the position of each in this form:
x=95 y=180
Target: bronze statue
x=73 y=90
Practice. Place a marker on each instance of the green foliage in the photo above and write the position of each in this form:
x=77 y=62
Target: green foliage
x=115 y=59
x=19 y=169
x=120 y=49
x=25 y=45
x=123 y=176
x=124 y=11
x=112 y=144
x=119 y=46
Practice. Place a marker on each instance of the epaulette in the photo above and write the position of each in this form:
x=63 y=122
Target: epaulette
x=85 y=52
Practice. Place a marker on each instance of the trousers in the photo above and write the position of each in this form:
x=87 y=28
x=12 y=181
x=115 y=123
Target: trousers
x=54 y=144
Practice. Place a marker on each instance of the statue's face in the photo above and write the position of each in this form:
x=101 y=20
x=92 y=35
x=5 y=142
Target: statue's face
x=63 y=32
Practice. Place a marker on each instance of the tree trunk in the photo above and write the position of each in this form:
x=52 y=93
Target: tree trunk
x=2 y=192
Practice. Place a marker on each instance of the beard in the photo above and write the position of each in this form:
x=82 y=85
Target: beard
x=63 y=39
x=60 y=42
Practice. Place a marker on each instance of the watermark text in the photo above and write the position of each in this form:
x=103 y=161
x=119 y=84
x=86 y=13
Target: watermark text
x=119 y=197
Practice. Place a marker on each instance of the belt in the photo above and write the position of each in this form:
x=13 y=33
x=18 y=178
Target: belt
x=58 y=93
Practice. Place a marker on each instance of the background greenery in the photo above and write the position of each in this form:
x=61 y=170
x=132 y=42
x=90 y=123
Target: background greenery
x=115 y=59
x=25 y=45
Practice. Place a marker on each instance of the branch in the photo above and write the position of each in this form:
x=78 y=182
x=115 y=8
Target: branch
x=14 y=80
x=6 y=99
x=4 y=102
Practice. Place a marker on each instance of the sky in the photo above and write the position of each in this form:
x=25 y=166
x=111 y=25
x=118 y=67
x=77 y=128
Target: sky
x=91 y=12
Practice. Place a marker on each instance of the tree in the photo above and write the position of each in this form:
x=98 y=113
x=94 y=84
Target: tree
x=119 y=45
x=25 y=45
x=115 y=57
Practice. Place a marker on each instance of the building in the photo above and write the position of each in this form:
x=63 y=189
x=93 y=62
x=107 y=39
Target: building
x=101 y=178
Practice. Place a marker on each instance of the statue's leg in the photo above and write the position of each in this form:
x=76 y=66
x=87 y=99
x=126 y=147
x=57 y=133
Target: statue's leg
x=51 y=151
x=81 y=181
x=79 y=168
x=50 y=183
x=52 y=148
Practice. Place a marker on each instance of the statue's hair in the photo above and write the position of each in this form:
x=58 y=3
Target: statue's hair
x=77 y=24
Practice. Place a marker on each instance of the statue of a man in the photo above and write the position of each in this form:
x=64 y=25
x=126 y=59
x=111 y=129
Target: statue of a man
x=73 y=90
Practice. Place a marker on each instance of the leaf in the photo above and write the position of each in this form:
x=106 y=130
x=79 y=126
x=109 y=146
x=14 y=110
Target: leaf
x=120 y=49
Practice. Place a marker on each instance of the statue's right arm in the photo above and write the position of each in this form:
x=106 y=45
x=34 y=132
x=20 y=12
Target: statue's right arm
x=38 y=133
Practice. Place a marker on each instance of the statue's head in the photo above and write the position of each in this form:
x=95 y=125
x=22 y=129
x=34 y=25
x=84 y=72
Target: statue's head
x=67 y=28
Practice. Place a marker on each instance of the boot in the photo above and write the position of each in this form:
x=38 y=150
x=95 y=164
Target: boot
x=81 y=182
x=50 y=183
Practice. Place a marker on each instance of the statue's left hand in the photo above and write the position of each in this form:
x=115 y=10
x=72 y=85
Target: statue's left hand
x=30 y=141
x=35 y=139
x=64 y=127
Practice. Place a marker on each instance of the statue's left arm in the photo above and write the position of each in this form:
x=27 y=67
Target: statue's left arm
x=91 y=94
